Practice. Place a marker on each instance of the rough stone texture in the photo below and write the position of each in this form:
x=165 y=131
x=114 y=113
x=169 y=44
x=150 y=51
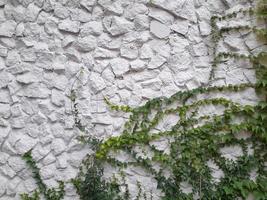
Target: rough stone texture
x=127 y=51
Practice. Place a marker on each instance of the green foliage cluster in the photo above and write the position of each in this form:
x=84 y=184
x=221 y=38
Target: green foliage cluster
x=43 y=190
x=194 y=140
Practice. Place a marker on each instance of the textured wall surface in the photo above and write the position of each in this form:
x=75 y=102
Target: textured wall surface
x=126 y=50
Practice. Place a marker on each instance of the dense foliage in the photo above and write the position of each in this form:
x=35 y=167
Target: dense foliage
x=194 y=140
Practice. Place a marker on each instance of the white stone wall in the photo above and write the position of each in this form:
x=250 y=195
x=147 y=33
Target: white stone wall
x=126 y=50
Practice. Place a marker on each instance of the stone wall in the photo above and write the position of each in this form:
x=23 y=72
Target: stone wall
x=126 y=50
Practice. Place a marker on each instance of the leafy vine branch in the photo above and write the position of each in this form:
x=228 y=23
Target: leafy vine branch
x=194 y=140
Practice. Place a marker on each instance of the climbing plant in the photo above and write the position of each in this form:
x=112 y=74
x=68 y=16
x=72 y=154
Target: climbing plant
x=43 y=190
x=194 y=140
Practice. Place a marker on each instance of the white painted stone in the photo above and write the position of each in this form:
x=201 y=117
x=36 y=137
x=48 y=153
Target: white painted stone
x=92 y=27
x=4 y=96
x=141 y=22
x=57 y=97
x=88 y=4
x=69 y=26
x=7 y=28
x=161 y=15
x=200 y=49
x=117 y=25
x=28 y=78
x=138 y=65
x=13 y=58
x=5 y=110
x=35 y=91
x=115 y=8
x=58 y=146
x=119 y=66
x=96 y=82
x=61 y=12
x=86 y=44
x=104 y=53
x=159 y=30
x=205 y=28
x=231 y=152
x=16 y=163
x=31 y=12
x=129 y=51
x=146 y=52
x=156 y=62
x=3 y=51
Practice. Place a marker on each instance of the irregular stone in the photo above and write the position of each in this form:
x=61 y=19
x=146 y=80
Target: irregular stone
x=119 y=66
x=73 y=55
x=4 y=79
x=231 y=152
x=180 y=62
x=58 y=146
x=17 y=122
x=91 y=28
x=8 y=171
x=48 y=171
x=20 y=29
x=145 y=75
x=88 y=4
x=80 y=15
x=182 y=8
x=61 y=162
x=57 y=97
x=35 y=90
x=44 y=59
x=50 y=158
x=61 y=11
x=115 y=8
x=178 y=43
x=3 y=51
x=200 y=49
x=31 y=13
x=129 y=51
x=104 y=53
x=138 y=65
x=156 y=62
x=3 y=2
x=107 y=42
x=3 y=158
x=13 y=58
x=96 y=82
x=117 y=25
x=86 y=44
x=28 y=55
x=69 y=26
x=203 y=14
x=4 y=96
x=161 y=15
x=19 y=68
x=135 y=9
x=159 y=30
x=16 y=163
x=8 y=28
x=102 y=119
x=28 y=78
x=180 y=26
x=24 y=144
x=146 y=52
x=205 y=28
x=3 y=134
x=141 y=22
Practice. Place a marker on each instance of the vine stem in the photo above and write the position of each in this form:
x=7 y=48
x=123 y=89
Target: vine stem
x=200 y=187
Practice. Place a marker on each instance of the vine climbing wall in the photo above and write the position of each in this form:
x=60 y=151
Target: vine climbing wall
x=160 y=99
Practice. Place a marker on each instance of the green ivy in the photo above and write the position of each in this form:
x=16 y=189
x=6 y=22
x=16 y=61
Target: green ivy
x=43 y=190
x=194 y=140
